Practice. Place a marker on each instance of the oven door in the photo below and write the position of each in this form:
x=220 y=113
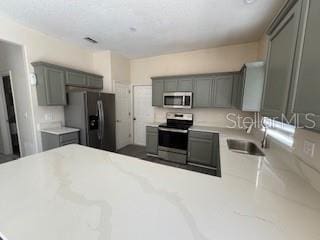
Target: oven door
x=177 y=100
x=174 y=140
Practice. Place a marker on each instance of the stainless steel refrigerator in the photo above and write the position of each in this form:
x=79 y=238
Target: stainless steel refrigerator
x=94 y=114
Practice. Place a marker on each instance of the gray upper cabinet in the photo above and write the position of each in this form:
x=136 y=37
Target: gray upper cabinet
x=76 y=79
x=280 y=64
x=157 y=92
x=171 y=85
x=80 y=79
x=94 y=81
x=50 y=85
x=209 y=90
x=203 y=149
x=223 y=87
x=203 y=92
x=185 y=84
x=307 y=97
x=237 y=90
x=53 y=79
x=248 y=87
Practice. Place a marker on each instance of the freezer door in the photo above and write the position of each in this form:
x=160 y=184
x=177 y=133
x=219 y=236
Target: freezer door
x=93 y=120
x=109 y=122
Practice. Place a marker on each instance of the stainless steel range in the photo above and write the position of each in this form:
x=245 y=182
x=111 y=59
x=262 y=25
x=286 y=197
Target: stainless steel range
x=173 y=137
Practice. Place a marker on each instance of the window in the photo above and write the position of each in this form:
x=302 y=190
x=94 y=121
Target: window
x=282 y=132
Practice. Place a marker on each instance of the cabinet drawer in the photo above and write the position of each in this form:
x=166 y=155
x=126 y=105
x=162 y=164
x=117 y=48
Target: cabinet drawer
x=73 y=141
x=202 y=135
x=69 y=137
x=152 y=129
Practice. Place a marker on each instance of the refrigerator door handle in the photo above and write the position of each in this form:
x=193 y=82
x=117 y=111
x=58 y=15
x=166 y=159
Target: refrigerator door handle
x=101 y=120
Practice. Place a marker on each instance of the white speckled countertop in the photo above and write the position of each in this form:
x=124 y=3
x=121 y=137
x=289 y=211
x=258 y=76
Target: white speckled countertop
x=60 y=130
x=79 y=193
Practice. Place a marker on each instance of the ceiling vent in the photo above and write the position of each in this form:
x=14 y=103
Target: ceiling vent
x=91 y=40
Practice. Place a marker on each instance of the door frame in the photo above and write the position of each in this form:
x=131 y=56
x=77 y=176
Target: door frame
x=132 y=106
x=3 y=74
x=129 y=85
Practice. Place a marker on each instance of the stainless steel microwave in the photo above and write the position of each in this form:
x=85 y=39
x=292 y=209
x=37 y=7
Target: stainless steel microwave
x=177 y=100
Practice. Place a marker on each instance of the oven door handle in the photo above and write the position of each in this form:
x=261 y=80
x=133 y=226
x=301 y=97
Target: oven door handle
x=173 y=130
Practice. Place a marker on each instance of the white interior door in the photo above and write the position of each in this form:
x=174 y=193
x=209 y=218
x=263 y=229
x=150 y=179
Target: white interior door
x=123 y=117
x=143 y=112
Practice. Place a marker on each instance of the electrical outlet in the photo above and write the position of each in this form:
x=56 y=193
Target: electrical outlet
x=48 y=116
x=308 y=148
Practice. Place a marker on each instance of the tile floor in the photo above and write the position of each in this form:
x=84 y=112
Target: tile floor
x=7 y=158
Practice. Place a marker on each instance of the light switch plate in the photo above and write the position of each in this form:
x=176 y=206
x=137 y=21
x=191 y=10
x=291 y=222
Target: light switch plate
x=308 y=148
x=33 y=79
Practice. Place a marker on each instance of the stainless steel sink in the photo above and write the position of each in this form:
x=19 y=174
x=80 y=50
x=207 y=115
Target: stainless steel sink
x=244 y=147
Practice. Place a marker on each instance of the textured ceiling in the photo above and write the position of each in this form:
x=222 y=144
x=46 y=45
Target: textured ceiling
x=162 y=26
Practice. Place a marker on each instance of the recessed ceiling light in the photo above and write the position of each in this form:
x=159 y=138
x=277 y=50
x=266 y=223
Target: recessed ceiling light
x=91 y=40
x=249 y=1
x=132 y=29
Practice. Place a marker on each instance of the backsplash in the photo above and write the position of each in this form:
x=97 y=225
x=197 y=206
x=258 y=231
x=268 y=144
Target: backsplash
x=205 y=117
x=306 y=166
x=300 y=137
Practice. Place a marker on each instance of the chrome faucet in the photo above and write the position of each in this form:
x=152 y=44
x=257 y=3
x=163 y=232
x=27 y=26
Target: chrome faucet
x=265 y=142
x=249 y=129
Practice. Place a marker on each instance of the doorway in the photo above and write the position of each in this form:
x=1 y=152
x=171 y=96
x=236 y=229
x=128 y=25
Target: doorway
x=123 y=114
x=143 y=112
x=9 y=129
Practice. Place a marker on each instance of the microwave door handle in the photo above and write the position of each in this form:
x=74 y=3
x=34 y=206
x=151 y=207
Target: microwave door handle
x=184 y=101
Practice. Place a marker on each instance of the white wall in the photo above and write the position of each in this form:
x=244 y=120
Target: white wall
x=40 y=47
x=223 y=59
x=12 y=58
x=120 y=68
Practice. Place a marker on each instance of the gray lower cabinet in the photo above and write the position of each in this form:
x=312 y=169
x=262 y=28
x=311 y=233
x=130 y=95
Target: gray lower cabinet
x=157 y=92
x=76 y=79
x=203 y=149
x=279 y=68
x=248 y=87
x=51 y=141
x=152 y=140
x=203 y=92
x=223 y=87
x=50 y=85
